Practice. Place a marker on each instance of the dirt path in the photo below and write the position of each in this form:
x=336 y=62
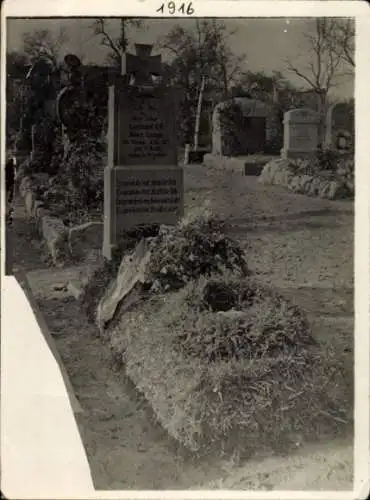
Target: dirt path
x=309 y=261
x=291 y=239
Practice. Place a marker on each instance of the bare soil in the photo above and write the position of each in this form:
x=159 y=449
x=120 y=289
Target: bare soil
x=301 y=245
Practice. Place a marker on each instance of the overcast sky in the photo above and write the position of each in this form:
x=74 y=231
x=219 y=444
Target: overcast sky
x=267 y=43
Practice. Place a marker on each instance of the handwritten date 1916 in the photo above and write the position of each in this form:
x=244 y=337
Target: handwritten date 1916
x=172 y=8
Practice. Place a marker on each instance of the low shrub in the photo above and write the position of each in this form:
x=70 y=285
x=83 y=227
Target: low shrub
x=84 y=168
x=196 y=246
x=328 y=165
x=327 y=159
x=346 y=169
x=231 y=119
x=78 y=186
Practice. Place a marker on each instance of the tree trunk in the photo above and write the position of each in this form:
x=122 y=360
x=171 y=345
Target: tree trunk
x=322 y=112
x=199 y=112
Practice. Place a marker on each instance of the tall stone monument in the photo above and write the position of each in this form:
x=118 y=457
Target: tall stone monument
x=143 y=184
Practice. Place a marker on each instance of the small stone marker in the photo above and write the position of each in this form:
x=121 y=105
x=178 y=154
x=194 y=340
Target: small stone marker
x=143 y=184
x=301 y=133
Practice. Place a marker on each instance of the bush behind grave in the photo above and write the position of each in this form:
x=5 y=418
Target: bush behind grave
x=78 y=186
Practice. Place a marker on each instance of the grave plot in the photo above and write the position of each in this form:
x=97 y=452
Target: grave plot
x=242 y=131
x=305 y=166
x=224 y=362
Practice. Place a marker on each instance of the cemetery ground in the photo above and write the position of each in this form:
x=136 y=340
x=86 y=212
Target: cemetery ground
x=301 y=246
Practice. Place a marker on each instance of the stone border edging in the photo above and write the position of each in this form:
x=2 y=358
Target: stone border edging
x=248 y=165
x=52 y=230
x=277 y=172
x=62 y=242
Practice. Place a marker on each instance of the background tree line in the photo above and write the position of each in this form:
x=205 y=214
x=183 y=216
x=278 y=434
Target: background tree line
x=198 y=52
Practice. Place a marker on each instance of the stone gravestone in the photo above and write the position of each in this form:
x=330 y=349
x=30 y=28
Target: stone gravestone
x=340 y=127
x=143 y=184
x=301 y=133
x=245 y=133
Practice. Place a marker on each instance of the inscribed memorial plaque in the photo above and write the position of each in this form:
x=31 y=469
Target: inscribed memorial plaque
x=148 y=196
x=146 y=127
x=301 y=133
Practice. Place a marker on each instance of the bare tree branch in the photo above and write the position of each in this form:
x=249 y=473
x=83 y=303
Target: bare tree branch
x=342 y=40
x=117 y=46
x=107 y=41
x=299 y=73
x=327 y=47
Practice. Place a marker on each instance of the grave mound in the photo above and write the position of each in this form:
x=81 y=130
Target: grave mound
x=225 y=363
x=243 y=380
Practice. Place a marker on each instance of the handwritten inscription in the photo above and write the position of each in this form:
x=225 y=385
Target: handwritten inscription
x=147 y=137
x=172 y=8
x=147 y=196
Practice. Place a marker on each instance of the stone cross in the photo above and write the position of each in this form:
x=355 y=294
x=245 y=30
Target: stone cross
x=142 y=65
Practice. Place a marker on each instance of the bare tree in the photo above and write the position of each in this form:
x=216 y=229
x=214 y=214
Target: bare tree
x=203 y=51
x=200 y=53
x=342 y=40
x=116 y=45
x=44 y=42
x=325 y=62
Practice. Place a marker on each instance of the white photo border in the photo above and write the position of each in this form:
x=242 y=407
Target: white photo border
x=237 y=8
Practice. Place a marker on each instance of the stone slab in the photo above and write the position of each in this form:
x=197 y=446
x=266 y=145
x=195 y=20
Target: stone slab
x=301 y=133
x=298 y=153
x=247 y=165
x=142 y=126
x=140 y=195
x=131 y=273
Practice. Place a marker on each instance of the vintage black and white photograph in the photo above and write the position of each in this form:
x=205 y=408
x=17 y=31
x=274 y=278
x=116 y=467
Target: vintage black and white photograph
x=180 y=215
